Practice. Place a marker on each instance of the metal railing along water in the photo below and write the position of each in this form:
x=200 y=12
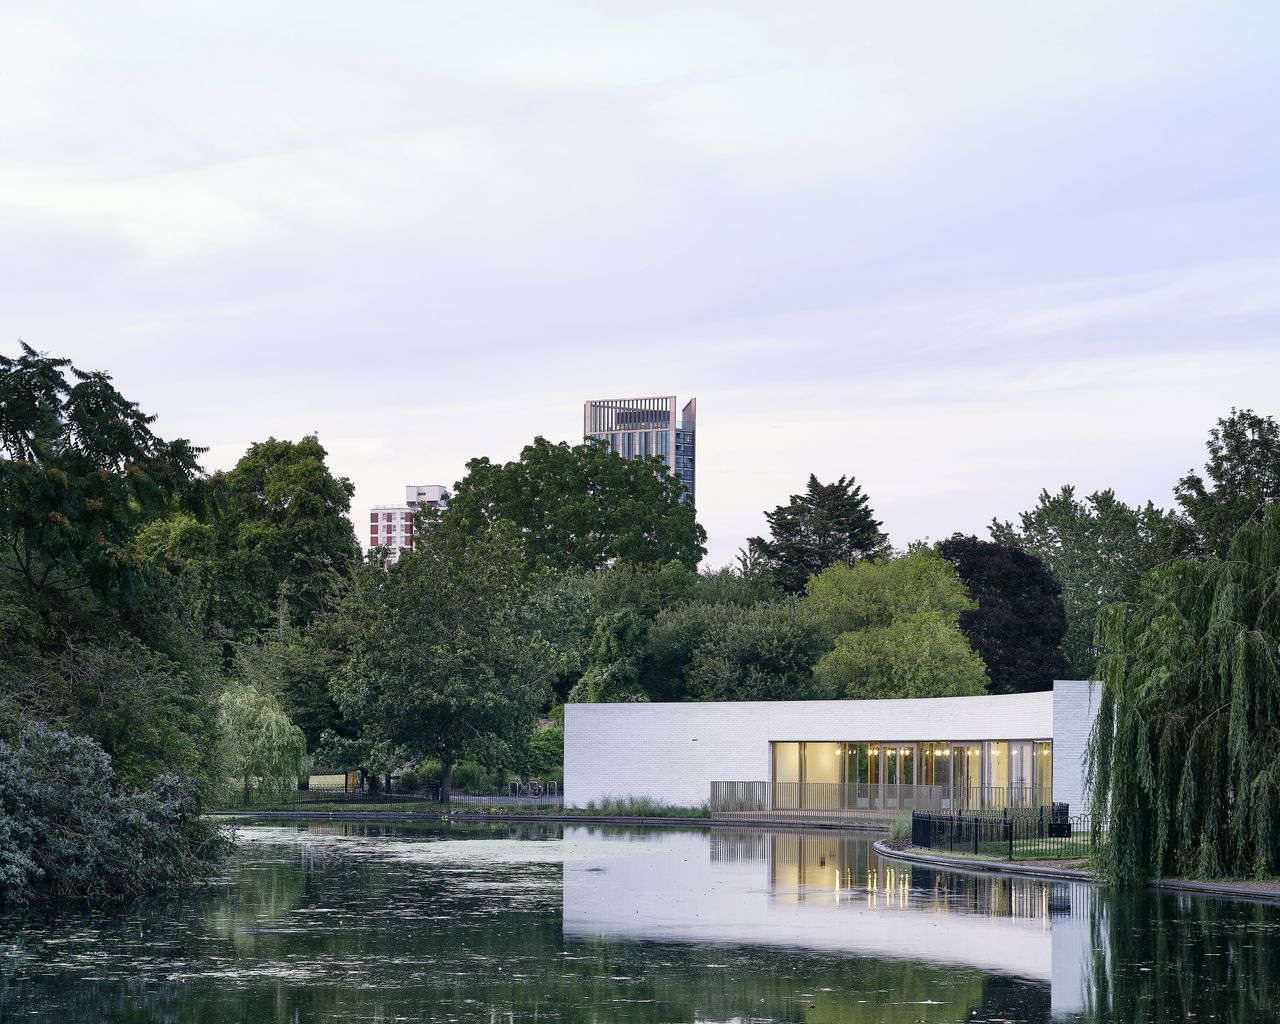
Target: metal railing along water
x=839 y=800
x=1011 y=834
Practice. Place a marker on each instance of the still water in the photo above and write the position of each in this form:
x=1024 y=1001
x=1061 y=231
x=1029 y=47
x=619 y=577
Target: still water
x=356 y=922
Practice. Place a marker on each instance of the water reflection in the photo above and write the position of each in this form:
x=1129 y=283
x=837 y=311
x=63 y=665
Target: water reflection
x=326 y=922
x=827 y=891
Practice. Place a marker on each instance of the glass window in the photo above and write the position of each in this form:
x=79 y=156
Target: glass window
x=1044 y=772
x=786 y=762
x=823 y=762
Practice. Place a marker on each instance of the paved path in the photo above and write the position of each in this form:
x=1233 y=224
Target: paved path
x=1261 y=892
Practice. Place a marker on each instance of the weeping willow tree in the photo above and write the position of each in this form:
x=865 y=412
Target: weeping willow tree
x=1185 y=757
x=264 y=749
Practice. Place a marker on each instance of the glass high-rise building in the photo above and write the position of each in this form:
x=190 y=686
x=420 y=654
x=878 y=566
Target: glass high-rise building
x=635 y=427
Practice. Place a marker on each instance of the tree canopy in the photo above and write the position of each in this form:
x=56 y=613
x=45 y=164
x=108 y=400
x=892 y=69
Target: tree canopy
x=580 y=507
x=80 y=471
x=829 y=524
x=1019 y=623
x=1184 y=760
x=444 y=661
x=1243 y=478
x=1098 y=550
x=895 y=623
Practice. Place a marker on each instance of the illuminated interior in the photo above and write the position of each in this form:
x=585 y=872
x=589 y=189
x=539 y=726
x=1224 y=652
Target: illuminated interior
x=919 y=774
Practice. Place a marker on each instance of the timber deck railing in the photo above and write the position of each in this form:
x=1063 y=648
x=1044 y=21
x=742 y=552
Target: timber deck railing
x=852 y=800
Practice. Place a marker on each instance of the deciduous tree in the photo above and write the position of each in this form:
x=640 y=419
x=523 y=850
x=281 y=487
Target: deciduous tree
x=1020 y=620
x=80 y=471
x=580 y=507
x=446 y=662
x=1243 y=478
x=895 y=624
x=265 y=751
x=1184 y=761
x=1097 y=549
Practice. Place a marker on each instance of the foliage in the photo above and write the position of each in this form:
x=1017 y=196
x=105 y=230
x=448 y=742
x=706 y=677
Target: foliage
x=895 y=627
x=580 y=507
x=877 y=593
x=80 y=471
x=919 y=656
x=829 y=524
x=1098 y=549
x=289 y=510
x=70 y=829
x=265 y=750
x=900 y=829
x=445 y=662
x=294 y=666
x=1185 y=754
x=762 y=651
x=617 y=646
x=1020 y=621
x=654 y=626
x=640 y=807
x=1244 y=476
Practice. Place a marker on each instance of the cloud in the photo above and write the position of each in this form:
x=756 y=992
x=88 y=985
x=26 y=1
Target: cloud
x=962 y=256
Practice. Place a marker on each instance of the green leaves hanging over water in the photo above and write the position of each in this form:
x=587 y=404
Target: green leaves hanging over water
x=1185 y=757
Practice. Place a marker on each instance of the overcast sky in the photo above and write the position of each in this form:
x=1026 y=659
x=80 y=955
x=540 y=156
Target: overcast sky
x=960 y=251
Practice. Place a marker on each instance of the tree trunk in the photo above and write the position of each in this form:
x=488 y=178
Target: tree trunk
x=446 y=780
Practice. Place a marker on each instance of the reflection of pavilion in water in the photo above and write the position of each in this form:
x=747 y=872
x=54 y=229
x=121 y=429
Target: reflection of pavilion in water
x=832 y=892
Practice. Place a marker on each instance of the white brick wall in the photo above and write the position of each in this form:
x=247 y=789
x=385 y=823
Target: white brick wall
x=1075 y=707
x=672 y=753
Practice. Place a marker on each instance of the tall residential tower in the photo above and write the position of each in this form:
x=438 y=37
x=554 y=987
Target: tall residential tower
x=391 y=526
x=635 y=427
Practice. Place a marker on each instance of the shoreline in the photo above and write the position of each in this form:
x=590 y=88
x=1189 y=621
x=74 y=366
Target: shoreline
x=1229 y=890
x=471 y=817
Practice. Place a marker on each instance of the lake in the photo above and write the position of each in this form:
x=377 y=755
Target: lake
x=326 y=921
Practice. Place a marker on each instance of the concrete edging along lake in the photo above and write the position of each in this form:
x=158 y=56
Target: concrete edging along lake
x=1230 y=890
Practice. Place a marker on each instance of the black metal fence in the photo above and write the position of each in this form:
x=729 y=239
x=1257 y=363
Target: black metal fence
x=427 y=792
x=1044 y=833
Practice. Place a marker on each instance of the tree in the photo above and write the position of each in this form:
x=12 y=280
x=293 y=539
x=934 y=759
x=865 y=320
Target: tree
x=649 y=622
x=614 y=657
x=581 y=507
x=80 y=471
x=1184 y=760
x=1244 y=477
x=69 y=829
x=1020 y=620
x=445 y=660
x=895 y=624
x=870 y=594
x=1098 y=550
x=763 y=651
x=830 y=524
x=287 y=508
x=265 y=750
x=921 y=655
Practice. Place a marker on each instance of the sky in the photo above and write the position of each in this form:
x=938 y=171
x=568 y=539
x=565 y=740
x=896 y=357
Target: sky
x=962 y=252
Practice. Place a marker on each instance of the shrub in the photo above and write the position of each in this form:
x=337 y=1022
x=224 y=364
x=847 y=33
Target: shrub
x=644 y=807
x=469 y=777
x=70 y=830
x=900 y=829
